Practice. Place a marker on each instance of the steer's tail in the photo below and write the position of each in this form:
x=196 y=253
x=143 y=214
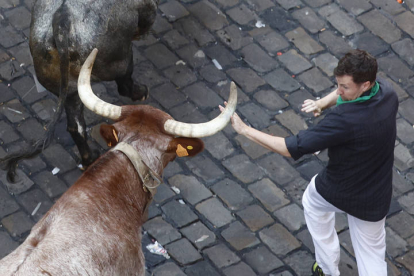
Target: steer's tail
x=61 y=27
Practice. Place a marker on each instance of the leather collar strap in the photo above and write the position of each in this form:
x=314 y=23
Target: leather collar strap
x=149 y=178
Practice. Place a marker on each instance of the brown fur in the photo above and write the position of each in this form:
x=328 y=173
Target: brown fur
x=95 y=227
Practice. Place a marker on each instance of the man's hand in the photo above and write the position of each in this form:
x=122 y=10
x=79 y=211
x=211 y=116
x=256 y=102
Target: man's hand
x=239 y=126
x=311 y=106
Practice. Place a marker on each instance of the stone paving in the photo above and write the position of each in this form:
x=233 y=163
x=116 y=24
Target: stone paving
x=239 y=208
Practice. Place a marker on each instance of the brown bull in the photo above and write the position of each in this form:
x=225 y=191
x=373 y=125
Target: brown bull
x=95 y=227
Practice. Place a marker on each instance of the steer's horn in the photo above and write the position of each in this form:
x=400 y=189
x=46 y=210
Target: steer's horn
x=205 y=129
x=89 y=99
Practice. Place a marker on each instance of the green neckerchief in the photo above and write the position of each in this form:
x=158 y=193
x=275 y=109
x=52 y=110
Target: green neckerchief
x=374 y=91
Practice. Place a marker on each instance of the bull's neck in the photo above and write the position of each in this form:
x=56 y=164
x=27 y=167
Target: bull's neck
x=115 y=178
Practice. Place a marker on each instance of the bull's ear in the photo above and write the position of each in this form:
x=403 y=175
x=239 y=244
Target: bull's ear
x=110 y=134
x=187 y=146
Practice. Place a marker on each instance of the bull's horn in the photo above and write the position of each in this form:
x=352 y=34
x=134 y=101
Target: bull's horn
x=205 y=129
x=89 y=99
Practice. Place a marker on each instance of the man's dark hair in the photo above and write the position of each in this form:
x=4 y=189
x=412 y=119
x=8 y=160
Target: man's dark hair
x=359 y=64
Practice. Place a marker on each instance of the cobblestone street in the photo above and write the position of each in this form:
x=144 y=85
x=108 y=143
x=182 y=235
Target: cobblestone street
x=238 y=211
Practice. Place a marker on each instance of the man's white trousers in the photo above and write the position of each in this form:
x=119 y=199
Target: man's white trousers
x=368 y=238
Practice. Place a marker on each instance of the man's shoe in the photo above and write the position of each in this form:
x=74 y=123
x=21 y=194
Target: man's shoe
x=316 y=270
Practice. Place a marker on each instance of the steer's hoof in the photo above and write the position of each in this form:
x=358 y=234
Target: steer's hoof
x=88 y=159
x=140 y=93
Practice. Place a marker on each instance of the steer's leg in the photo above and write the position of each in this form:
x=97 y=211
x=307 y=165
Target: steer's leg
x=77 y=129
x=127 y=88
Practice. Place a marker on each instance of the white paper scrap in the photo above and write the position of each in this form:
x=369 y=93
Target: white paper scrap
x=55 y=171
x=217 y=64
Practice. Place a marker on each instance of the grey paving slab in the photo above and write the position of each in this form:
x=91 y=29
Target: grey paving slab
x=220 y=53
x=174 y=39
x=7 y=134
x=12 y=37
x=300 y=262
x=193 y=55
x=303 y=41
x=269 y=194
x=7 y=204
x=50 y=184
x=14 y=111
x=246 y=78
x=335 y=44
x=8 y=244
x=294 y=61
x=191 y=189
x=405 y=49
x=403 y=159
x=162 y=231
x=395 y=68
x=317 y=3
x=168 y=269
x=406 y=201
x=243 y=169
x=239 y=236
x=279 y=240
x=233 y=37
x=179 y=212
x=258 y=59
x=292 y=121
x=255 y=114
x=280 y=80
x=356 y=7
x=31 y=129
x=211 y=74
x=396 y=246
x=255 y=217
x=35 y=202
x=201 y=268
x=240 y=269
x=271 y=41
x=308 y=18
x=232 y=194
x=380 y=26
x=278 y=19
x=291 y=216
x=407 y=260
x=205 y=168
x=270 y=100
x=402 y=95
x=183 y=252
x=198 y=234
x=370 y=43
x=218 y=146
x=202 y=95
x=241 y=14
x=278 y=169
x=192 y=28
x=173 y=10
x=262 y=260
x=260 y=5
x=221 y=255
x=160 y=56
x=315 y=80
x=22 y=183
x=215 y=212
x=17 y=224
x=344 y=23
x=289 y=4
x=167 y=95
x=391 y=7
x=209 y=15
x=297 y=98
x=401 y=184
